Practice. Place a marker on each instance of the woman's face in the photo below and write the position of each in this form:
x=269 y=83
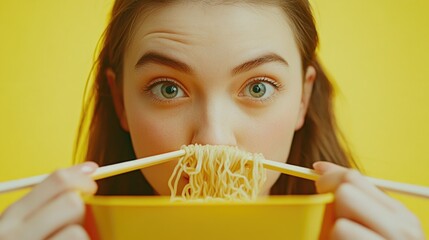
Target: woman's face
x=212 y=74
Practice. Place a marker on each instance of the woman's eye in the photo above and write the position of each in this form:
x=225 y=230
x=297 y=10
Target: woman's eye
x=259 y=89
x=167 y=90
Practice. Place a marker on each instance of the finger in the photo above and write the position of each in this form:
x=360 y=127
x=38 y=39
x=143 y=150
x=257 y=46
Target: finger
x=346 y=229
x=71 y=232
x=74 y=178
x=352 y=203
x=333 y=176
x=64 y=210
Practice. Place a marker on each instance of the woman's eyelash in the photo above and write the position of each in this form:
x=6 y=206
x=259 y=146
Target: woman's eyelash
x=149 y=86
x=276 y=84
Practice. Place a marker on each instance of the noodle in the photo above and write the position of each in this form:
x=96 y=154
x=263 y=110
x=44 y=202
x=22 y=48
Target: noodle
x=218 y=172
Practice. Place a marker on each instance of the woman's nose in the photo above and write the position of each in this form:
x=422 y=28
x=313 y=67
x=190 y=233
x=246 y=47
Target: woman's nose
x=214 y=125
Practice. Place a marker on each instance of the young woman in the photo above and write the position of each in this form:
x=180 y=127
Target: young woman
x=242 y=73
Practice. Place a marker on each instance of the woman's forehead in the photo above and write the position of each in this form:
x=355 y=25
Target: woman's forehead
x=204 y=17
x=221 y=29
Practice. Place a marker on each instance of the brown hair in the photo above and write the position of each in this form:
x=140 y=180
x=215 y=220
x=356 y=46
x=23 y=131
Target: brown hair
x=101 y=138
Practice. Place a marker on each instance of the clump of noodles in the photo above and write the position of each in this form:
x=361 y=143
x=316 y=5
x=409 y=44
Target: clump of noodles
x=218 y=172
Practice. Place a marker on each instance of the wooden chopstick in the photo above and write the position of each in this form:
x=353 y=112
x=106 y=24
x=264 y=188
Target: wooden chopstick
x=102 y=172
x=310 y=174
x=297 y=171
x=290 y=169
x=115 y=169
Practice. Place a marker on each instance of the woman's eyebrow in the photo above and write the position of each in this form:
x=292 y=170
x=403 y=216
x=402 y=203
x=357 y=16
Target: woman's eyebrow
x=158 y=58
x=253 y=63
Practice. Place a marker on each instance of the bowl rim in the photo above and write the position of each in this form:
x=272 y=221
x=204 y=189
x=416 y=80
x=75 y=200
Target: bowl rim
x=311 y=199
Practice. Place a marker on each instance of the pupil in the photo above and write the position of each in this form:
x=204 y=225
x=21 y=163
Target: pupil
x=256 y=88
x=171 y=89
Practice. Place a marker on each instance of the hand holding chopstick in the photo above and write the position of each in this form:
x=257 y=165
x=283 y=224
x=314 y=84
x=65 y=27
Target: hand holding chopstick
x=100 y=173
x=115 y=169
x=310 y=174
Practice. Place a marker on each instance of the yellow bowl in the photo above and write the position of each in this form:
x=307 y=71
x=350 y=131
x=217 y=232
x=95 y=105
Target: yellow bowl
x=275 y=217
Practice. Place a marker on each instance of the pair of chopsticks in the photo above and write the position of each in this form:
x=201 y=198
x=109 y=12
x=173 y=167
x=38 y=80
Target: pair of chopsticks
x=115 y=169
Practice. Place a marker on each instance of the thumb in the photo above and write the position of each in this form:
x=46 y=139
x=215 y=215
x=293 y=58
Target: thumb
x=326 y=167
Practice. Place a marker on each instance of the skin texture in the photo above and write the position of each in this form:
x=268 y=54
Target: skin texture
x=214 y=105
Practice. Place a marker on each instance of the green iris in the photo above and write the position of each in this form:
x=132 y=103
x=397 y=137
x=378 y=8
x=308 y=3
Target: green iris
x=257 y=90
x=169 y=90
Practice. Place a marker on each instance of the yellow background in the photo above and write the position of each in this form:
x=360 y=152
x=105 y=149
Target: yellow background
x=376 y=51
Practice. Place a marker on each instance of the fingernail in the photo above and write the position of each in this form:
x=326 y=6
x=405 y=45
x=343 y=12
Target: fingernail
x=316 y=165
x=319 y=167
x=88 y=167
